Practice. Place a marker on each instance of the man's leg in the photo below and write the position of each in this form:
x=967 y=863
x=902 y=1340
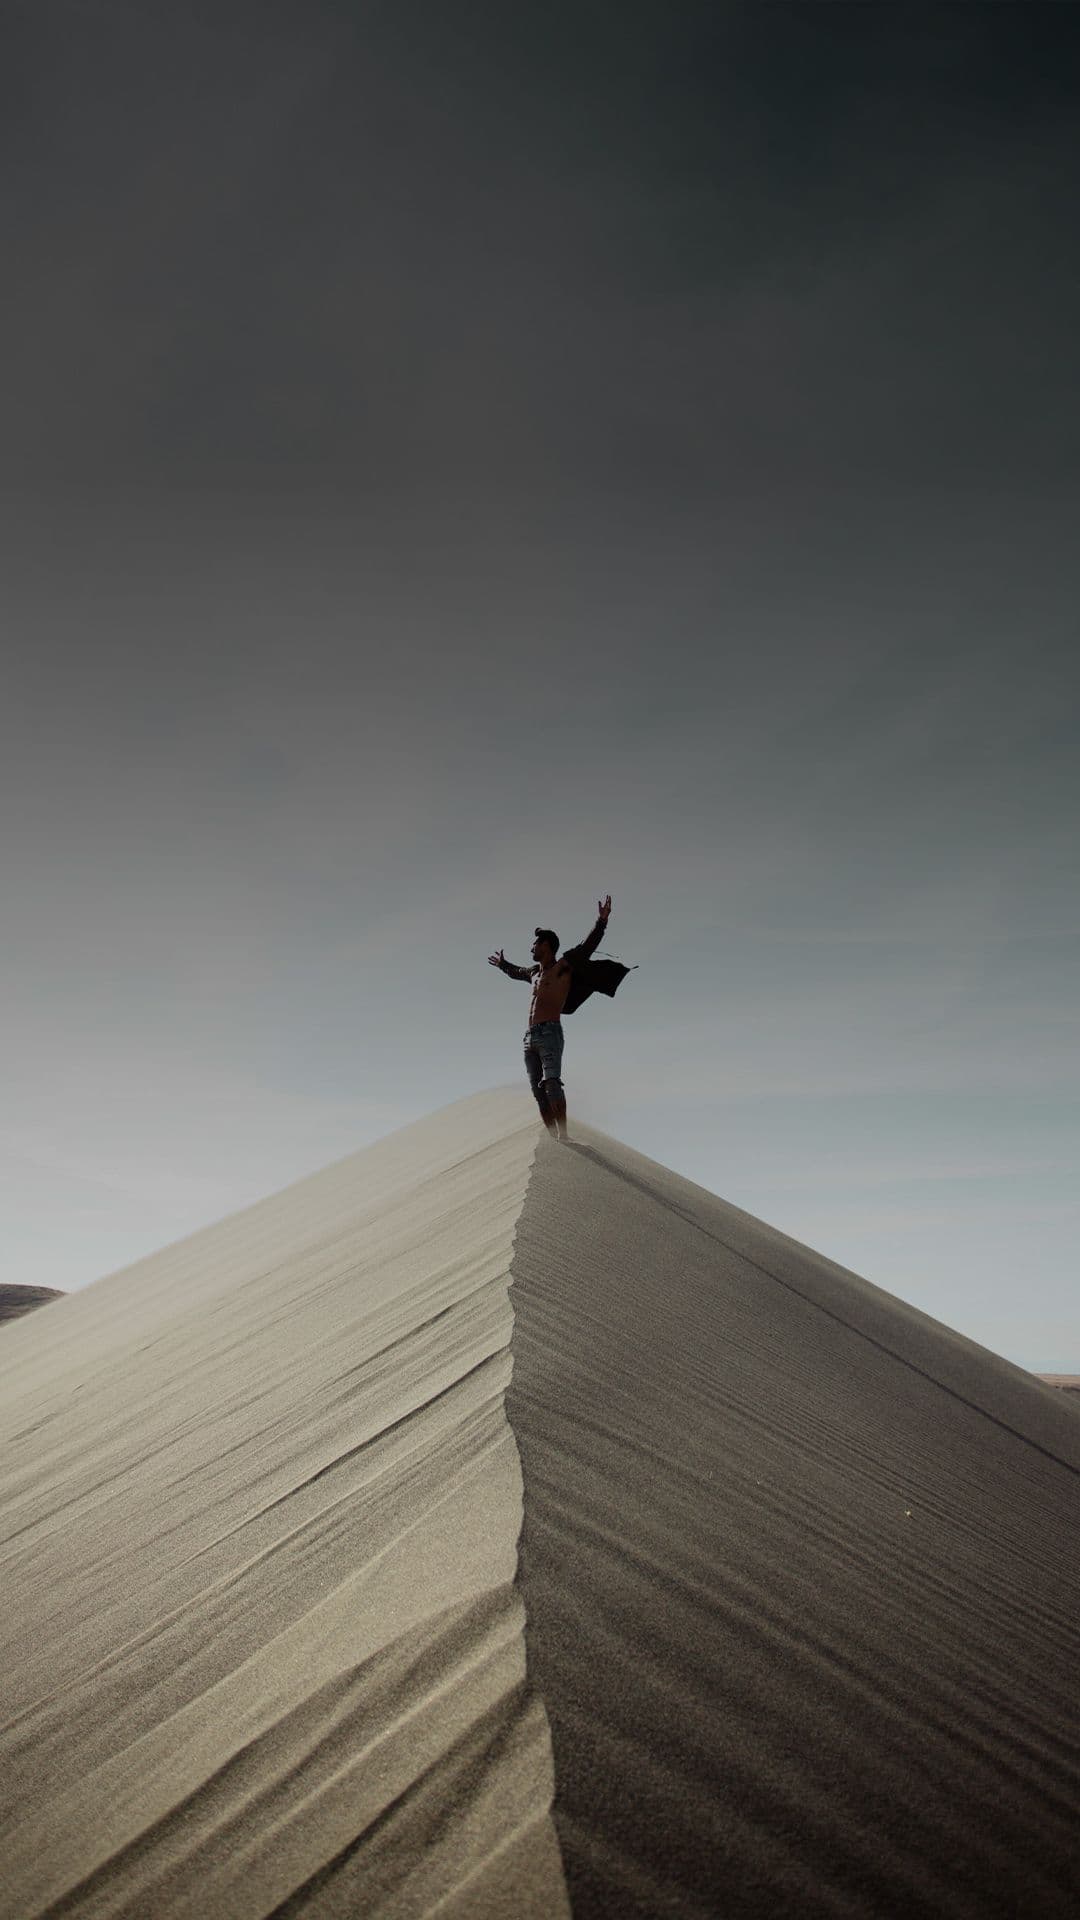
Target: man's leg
x=534 y=1069
x=556 y=1097
x=544 y=1104
x=552 y=1051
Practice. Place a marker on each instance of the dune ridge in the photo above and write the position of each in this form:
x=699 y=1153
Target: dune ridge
x=494 y=1530
x=260 y=1506
x=800 y=1570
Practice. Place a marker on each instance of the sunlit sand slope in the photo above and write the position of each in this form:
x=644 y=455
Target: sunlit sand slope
x=800 y=1570
x=259 y=1508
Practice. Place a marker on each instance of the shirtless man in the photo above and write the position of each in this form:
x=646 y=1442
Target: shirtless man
x=550 y=979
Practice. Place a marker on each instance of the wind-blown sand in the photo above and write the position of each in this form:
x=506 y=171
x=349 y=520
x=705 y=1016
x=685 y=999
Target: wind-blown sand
x=791 y=1626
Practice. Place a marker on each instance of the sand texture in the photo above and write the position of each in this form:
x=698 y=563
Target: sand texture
x=801 y=1570
x=259 y=1507
x=489 y=1529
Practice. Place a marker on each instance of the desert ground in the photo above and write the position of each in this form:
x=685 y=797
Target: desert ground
x=486 y=1527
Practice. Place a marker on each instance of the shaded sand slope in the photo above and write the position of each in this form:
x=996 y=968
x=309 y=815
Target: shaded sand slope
x=800 y=1570
x=16 y=1300
x=262 y=1651
x=1067 y=1382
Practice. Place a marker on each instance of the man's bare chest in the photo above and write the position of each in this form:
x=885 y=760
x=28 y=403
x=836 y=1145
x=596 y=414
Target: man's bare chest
x=552 y=986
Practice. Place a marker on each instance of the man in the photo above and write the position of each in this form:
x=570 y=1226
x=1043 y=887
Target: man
x=558 y=987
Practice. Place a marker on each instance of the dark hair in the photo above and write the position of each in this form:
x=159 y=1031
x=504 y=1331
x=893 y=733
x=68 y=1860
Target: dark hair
x=545 y=933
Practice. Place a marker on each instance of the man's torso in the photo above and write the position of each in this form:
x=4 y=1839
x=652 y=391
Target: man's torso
x=549 y=994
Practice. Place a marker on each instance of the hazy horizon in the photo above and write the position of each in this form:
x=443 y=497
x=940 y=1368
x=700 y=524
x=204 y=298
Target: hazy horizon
x=456 y=468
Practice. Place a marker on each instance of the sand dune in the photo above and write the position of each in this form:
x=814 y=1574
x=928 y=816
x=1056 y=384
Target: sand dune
x=16 y=1300
x=260 y=1504
x=489 y=1528
x=801 y=1571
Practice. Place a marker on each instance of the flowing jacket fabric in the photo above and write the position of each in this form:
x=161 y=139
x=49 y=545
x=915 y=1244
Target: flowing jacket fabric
x=589 y=976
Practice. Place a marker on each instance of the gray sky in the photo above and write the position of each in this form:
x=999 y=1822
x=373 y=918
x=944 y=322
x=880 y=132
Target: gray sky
x=460 y=460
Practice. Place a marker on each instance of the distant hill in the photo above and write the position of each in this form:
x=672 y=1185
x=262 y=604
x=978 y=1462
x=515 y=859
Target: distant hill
x=15 y=1301
x=1068 y=1382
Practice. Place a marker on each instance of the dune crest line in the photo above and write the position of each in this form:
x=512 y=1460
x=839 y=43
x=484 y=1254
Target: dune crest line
x=262 y=1646
x=486 y=1526
x=800 y=1571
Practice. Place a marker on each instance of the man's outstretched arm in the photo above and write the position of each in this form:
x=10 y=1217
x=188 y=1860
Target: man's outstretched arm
x=507 y=966
x=593 y=939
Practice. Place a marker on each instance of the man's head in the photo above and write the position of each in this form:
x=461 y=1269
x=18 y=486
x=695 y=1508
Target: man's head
x=545 y=946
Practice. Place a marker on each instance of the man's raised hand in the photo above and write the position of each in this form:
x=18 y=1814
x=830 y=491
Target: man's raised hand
x=605 y=907
x=496 y=959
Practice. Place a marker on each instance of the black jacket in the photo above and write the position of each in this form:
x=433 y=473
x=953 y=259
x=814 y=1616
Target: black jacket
x=592 y=976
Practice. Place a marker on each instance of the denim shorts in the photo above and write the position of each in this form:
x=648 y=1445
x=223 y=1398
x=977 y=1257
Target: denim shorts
x=543 y=1052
